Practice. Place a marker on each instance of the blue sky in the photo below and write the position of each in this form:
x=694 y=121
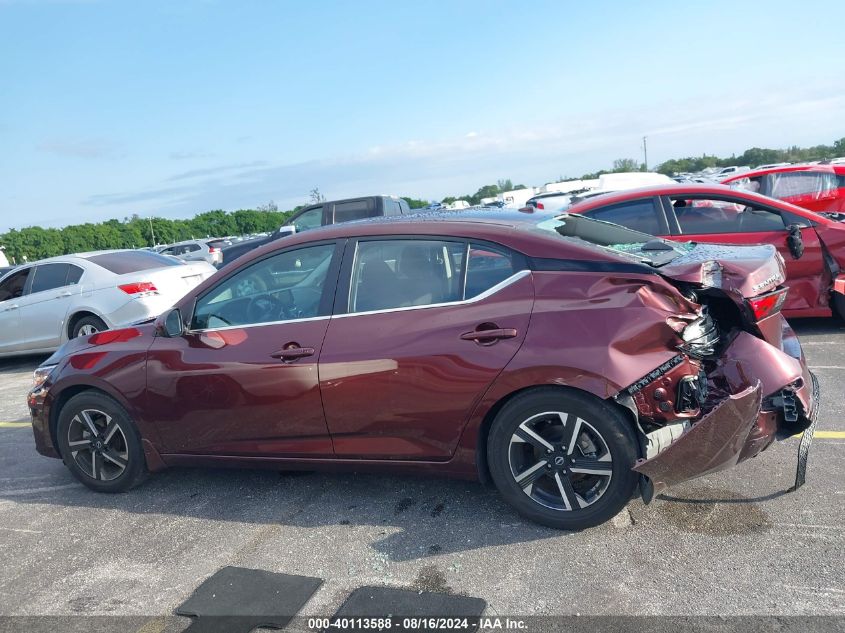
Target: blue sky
x=172 y=108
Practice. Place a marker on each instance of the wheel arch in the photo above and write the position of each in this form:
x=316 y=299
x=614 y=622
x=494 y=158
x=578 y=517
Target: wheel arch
x=75 y=316
x=486 y=423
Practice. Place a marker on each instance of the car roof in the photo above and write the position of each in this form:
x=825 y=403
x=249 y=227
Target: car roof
x=512 y=228
x=822 y=167
x=694 y=189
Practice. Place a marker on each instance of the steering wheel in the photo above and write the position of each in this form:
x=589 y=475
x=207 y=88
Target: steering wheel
x=263 y=308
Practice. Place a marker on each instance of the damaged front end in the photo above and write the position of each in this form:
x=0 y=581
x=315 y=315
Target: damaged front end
x=738 y=382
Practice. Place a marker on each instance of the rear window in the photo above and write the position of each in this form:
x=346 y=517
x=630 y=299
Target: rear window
x=645 y=248
x=123 y=262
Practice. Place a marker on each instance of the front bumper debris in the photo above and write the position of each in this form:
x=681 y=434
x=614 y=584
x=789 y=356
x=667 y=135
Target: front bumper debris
x=712 y=444
x=807 y=437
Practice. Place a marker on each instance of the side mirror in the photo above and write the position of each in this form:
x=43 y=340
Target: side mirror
x=286 y=230
x=170 y=324
x=794 y=241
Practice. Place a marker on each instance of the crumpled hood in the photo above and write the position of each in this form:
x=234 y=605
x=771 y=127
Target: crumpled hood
x=745 y=270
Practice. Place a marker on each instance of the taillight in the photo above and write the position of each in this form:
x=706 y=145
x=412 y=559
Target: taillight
x=540 y=205
x=212 y=249
x=138 y=288
x=766 y=305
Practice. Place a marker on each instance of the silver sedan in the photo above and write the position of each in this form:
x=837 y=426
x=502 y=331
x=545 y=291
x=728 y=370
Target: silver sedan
x=45 y=303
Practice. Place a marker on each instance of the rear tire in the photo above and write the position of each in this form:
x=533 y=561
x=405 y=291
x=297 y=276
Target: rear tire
x=563 y=458
x=88 y=325
x=100 y=444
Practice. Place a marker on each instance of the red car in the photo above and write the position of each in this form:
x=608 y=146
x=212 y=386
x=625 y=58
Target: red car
x=819 y=188
x=568 y=360
x=812 y=245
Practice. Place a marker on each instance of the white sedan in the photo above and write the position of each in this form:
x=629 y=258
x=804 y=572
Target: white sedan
x=45 y=303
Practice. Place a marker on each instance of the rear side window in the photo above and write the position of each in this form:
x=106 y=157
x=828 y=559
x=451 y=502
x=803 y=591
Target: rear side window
x=354 y=210
x=392 y=207
x=804 y=183
x=403 y=273
x=50 y=276
x=487 y=267
x=640 y=215
x=123 y=262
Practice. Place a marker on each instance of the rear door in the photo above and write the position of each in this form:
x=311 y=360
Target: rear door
x=728 y=220
x=417 y=337
x=12 y=289
x=45 y=307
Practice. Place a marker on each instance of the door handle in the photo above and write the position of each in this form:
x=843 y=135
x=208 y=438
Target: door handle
x=14 y=306
x=489 y=336
x=292 y=352
x=66 y=293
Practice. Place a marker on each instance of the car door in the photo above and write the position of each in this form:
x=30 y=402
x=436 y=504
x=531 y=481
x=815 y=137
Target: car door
x=417 y=338
x=43 y=310
x=733 y=220
x=12 y=290
x=242 y=380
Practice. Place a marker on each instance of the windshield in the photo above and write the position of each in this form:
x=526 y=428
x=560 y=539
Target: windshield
x=643 y=247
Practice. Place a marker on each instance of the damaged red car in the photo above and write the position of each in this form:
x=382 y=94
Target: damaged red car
x=819 y=188
x=573 y=363
x=812 y=245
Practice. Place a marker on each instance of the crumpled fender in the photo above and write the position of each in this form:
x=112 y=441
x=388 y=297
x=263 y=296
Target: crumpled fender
x=714 y=443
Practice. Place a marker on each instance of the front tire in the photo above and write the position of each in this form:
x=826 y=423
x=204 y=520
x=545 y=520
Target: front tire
x=99 y=443
x=563 y=458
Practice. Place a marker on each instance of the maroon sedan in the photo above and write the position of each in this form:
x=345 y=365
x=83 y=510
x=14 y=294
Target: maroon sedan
x=572 y=362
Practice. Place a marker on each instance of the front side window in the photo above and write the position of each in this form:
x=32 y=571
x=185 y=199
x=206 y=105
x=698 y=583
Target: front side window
x=49 y=277
x=403 y=273
x=310 y=219
x=640 y=215
x=13 y=286
x=702 y=217
x=283 y=287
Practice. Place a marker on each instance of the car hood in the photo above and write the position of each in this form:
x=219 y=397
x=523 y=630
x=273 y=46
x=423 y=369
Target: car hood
x=744 y=270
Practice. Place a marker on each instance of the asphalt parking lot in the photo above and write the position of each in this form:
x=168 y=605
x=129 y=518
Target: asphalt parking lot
x=729 y=544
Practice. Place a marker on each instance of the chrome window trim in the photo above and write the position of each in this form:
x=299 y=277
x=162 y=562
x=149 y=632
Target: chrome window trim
x=479 y=297
x=252 y=325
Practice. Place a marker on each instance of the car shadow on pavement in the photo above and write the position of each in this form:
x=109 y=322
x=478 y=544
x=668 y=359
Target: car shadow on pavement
x=831 y=325
x=15 y=364
x=402 y=518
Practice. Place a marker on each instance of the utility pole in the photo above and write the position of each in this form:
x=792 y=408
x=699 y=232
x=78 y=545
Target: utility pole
x=152 y=232
x=645 y=152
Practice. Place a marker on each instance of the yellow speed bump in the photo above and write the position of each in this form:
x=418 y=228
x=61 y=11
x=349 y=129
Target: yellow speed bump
x=14 y=425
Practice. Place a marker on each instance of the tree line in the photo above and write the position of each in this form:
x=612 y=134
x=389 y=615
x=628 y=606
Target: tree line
x=34 y=242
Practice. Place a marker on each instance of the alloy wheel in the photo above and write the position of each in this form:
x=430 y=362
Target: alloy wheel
x=560 y=461
x=87 y=330
x=98 y=445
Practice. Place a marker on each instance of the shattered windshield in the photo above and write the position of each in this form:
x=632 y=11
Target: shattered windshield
x=643 y=247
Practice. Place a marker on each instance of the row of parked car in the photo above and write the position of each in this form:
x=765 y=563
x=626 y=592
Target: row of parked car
x=572 y=361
